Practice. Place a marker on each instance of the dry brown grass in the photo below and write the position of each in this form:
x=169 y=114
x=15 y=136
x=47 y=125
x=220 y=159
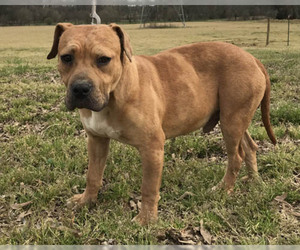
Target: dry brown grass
x=242 y=33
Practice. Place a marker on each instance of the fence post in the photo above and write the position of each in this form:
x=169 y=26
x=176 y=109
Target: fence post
x=268 y=32
x=288 y=38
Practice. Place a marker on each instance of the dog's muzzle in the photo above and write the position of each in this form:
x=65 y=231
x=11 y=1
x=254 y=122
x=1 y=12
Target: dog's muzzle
x=81 y=89
x=80 y=95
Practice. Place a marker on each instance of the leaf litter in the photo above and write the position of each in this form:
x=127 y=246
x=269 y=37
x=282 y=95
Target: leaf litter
x=190 y=235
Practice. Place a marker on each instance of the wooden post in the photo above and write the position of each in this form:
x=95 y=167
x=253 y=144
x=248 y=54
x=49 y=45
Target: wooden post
x=288 y=38
x=268 y=32
x=142 y=17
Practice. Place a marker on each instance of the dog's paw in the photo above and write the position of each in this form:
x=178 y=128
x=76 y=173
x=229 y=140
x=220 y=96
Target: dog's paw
x=220 y=186
x=79 y=200
x=251 y=177
x=223 y=187
x=143 y=220
x=253 y=180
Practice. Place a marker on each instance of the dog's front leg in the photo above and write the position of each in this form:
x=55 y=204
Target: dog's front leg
x=152 y=164
x=98 y=148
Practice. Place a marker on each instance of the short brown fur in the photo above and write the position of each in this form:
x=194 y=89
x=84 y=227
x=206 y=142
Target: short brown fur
x=143 y=100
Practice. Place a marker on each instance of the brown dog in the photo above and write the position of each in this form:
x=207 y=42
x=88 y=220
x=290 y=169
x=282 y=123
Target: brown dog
x=144 y=100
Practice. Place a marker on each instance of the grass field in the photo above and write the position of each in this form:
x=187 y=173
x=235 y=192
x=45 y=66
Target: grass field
x=43 y=156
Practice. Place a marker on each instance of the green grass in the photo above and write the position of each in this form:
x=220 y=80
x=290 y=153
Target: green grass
x=43 y=158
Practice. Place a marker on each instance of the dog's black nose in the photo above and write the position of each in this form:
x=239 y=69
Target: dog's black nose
x=81 y=89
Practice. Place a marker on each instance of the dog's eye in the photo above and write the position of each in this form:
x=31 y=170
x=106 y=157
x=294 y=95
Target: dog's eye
x=67 y=59
x=103 y=60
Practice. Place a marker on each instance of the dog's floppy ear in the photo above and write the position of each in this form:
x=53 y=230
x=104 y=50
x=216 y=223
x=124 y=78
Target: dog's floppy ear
x=124 y=41
x=60 y=28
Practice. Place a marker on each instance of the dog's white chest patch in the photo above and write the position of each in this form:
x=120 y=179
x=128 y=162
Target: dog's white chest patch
x=97 y=124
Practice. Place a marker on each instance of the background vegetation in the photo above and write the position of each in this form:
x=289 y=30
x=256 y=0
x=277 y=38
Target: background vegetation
x=38 y=15
x=43 y=158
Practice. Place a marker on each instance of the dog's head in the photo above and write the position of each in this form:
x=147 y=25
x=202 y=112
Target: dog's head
x=90 y=61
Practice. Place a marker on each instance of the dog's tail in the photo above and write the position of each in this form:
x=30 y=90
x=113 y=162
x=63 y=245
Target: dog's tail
x=265 y=104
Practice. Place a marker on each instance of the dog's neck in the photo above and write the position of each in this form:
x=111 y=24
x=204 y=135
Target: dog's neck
x=128 y=83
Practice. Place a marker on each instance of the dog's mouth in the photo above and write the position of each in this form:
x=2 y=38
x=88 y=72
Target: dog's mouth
x=87 y=103
x=94 y=106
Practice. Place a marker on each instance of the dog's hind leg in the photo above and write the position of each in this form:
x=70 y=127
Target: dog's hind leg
x=239 y=98
x=235 y=154
x=234 y=122
x=250 y=148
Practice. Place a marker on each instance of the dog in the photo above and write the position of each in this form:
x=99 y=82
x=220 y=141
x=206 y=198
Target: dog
x=144 y=100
